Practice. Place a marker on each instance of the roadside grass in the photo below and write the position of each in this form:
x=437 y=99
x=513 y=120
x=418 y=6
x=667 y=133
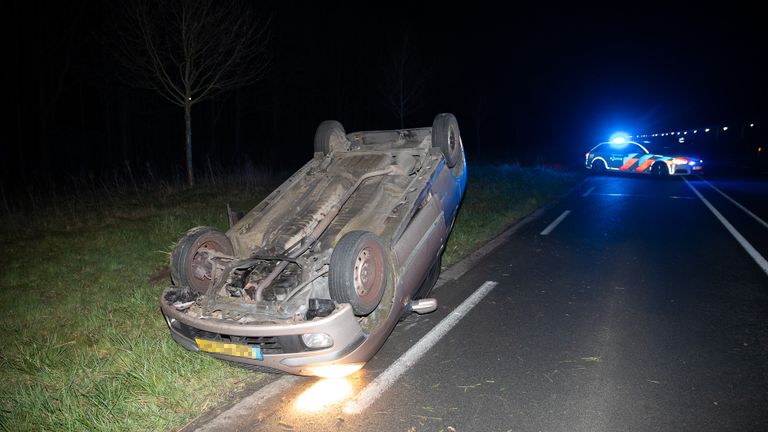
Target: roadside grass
x=84 y=344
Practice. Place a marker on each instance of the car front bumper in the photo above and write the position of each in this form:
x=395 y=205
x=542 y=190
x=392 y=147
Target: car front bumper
x=687 y=169
x=280 y=343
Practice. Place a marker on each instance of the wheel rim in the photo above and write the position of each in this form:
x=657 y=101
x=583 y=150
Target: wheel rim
x=369 y=272
x=201 y=268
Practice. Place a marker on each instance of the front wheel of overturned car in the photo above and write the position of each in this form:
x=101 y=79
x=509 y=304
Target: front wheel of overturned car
x=446 y=137
x=190 y=260
x=359 y=271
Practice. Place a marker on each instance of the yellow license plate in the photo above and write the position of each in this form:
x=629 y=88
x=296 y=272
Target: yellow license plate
x=230 y=349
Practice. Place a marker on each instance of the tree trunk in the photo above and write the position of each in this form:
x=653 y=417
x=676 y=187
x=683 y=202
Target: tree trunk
x=188 y=146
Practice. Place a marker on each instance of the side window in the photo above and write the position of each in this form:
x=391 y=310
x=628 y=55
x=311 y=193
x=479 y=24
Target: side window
x=602 y=148
x=634 y=148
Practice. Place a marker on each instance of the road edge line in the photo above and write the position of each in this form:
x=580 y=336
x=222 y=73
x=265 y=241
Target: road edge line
x=731 y=229
x=736 y=203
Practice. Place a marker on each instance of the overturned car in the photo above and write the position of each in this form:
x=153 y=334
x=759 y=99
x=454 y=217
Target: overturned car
x=313 y=279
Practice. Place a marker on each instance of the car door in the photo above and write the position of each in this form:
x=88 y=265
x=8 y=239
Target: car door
x=616 y=157
x=628 y=157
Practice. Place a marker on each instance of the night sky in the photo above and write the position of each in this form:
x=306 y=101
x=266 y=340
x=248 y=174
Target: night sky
x=536 y=84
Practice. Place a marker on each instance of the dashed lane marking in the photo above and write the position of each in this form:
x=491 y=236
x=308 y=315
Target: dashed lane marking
x=555 y=223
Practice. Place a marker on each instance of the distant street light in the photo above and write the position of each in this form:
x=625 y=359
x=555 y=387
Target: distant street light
x=706 y=130
x=751 y=125
x=725 y=128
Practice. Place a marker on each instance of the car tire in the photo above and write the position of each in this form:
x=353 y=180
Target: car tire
x=189 y=264
x=446 y=137
x=598 y=167
x=329 y=137
x=359 y=271
x=660 y=170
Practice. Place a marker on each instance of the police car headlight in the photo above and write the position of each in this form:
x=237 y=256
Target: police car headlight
x=680 y=161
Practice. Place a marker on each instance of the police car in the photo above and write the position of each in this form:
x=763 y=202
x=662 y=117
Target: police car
x=630 y=157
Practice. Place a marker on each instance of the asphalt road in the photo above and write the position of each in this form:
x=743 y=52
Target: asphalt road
x=638 y=311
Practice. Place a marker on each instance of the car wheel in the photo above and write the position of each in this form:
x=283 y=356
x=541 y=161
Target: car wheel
x=190 y=263
x=359 y=271
x=598 y=167
x=446 y=137
x=660 y=170
x=330 y=136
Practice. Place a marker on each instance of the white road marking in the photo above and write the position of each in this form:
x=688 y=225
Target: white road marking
x=588 y=191
x=739 y=238
x=555 y=223
x=246 y=407
x=375 y=388
x=641 y=196
x=734 y=202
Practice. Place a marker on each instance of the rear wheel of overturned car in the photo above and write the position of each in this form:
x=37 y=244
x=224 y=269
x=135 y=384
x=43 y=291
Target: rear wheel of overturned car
x=446 y=137
x=359 y=271
x=191 y=263
x=330 y=136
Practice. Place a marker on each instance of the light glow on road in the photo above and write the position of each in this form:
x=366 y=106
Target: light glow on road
x=323 y=394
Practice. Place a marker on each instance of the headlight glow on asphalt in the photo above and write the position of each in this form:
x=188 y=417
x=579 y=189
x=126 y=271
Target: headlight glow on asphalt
x=335 y=370
x=323 y=394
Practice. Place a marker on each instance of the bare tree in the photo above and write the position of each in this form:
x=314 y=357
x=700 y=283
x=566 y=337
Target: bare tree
x=404 y=77
x=190 y=50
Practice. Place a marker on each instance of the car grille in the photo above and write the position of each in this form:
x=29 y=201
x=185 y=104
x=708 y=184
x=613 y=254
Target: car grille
x=269 y=344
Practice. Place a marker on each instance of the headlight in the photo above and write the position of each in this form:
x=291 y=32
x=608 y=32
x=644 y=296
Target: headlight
x=680 y=161
x=692 y=163
x=317 y=340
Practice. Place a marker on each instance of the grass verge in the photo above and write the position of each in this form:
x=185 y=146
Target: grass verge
x=84 y=344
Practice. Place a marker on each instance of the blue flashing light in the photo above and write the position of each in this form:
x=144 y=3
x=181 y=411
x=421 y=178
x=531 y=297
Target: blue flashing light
x=619 y=139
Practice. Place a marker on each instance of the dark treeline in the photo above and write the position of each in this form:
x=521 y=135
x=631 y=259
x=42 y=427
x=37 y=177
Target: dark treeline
x=75 y=114
x=539 y=85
